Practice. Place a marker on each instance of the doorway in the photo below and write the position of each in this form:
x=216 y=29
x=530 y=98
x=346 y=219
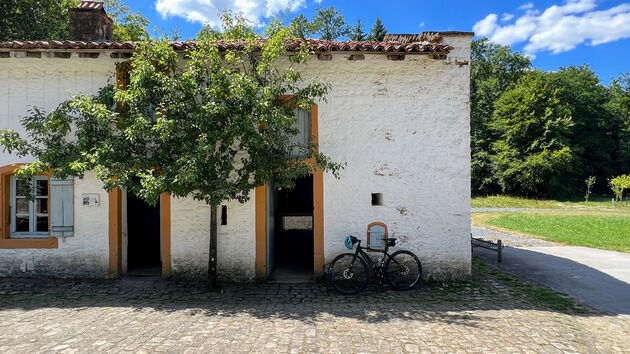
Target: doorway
x=290 y=242
x=143 y=230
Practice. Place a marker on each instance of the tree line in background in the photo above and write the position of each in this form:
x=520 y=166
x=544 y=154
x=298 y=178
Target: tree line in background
x=545 y=133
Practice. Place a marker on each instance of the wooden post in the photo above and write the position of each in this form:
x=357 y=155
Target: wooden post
x=499 y=251
x=212 y=254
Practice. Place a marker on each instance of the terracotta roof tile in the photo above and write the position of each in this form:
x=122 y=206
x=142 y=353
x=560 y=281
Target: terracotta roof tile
x=291 y=45
x=91 y=5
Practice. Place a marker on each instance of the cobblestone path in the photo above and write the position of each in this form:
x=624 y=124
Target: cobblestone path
x=491 y=314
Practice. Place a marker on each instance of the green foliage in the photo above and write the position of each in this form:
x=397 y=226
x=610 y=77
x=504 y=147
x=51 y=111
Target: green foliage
x=494 y=69
x=356 y=32
x=531 y=152
x=48 y=20
x=618 y=107
x=128 y=25
x=329 y=24
x=34 y=19
x=618 y=185
x=378 y=32
x=590 y=182
x=301 y=27
x=212 y=127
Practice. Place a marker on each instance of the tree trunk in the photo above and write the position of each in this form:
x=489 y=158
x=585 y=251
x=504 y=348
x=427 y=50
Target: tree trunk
x=212 y=258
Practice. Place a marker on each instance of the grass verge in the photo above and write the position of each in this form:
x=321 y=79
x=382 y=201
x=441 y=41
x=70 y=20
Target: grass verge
x=597 y=229
x=501 y=201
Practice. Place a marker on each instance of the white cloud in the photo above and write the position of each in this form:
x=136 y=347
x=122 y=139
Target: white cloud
x=506 y=17
x=421 y=24
x=559 y=28
x=205 y=11
x=526 y=6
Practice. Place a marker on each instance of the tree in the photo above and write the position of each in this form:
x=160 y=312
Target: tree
x=532 y=155
x=590 y=181
x=618 y=107
x=34 y=19
x=211 y=128
x=494 y=70
x=356 y=32
x=378 y=32
x=48 y=20
x=618 y=185
x=329 y=24
x=128 y=25
x=301 y=27
x=592 y=136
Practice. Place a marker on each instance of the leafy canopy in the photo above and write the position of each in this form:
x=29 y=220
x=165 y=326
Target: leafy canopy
x=34 y=19
x=213 y=125
x=356 y=32
x=532 y=152
x=329 y=24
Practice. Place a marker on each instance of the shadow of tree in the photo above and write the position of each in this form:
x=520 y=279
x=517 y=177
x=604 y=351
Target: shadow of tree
x=466 y=304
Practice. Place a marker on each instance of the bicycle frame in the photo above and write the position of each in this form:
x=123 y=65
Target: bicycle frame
x=376 y=268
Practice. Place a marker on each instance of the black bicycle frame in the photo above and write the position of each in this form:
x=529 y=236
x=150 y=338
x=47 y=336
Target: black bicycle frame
x=373 y=265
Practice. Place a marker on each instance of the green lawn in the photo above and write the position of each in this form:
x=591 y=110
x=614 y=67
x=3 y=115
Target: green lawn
x=605 y=230
x=596 y=201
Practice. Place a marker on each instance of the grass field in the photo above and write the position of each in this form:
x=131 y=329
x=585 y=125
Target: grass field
x=590 y=228
x=596 y=201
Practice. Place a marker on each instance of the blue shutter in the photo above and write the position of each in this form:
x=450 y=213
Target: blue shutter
x=61 y=207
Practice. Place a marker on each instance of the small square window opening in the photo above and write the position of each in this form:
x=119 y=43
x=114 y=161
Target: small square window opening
x=377 y=198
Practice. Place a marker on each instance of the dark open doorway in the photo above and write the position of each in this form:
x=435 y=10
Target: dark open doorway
x=143 y=230
x=292 y=245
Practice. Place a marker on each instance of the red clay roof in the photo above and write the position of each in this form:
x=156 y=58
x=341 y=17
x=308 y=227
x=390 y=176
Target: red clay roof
x=291 y=45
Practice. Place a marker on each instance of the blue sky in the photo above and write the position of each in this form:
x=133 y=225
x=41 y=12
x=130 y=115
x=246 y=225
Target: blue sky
x=553 y=32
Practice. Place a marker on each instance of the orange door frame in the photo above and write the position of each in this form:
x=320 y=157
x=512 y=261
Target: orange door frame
x=318 y=216
x=115 y=233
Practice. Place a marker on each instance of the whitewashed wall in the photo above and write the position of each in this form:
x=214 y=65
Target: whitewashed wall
x=402 y=127
x=45 y=82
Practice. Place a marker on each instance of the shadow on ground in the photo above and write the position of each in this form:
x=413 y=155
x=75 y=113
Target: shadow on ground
x=491 y=291
x=582 y=282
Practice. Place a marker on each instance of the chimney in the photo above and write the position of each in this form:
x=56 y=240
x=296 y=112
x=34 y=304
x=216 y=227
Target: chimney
x=89 y=22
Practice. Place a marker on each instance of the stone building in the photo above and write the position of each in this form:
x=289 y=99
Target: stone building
x=397 y=114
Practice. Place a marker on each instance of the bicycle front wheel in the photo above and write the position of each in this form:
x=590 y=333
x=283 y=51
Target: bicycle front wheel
x=403 y=270
x=348 y=274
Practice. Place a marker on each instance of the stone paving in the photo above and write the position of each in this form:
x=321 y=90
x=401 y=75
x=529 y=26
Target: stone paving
x=490 y=314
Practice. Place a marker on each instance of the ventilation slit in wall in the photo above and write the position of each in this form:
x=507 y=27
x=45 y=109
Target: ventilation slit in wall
x=223 y=214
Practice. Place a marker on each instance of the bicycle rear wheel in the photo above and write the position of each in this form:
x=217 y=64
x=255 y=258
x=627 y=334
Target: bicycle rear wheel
x=403 y=270
x=347 y=274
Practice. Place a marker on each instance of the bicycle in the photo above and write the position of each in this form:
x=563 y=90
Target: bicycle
x=348 y=273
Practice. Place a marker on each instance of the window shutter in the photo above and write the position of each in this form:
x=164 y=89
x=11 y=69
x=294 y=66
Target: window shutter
x=302 y=139
x=61 y=207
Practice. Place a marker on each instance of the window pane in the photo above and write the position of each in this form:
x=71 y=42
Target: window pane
x=42 y=223
x=42 y=187
x=21 y=206
x=41 y=205
x=21 y=186
x=21 y=224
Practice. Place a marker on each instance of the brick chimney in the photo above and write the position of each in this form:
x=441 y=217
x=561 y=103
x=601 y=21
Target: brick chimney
x=89 y=22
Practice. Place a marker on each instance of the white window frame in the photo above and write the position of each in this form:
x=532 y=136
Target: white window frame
x=31 y=210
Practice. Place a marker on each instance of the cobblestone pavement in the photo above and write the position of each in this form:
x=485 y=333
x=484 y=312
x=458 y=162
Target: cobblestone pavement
x=493 y=313
x=510 y=239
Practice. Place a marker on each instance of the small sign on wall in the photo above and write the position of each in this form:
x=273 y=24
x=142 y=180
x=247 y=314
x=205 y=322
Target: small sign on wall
x=90 y=199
